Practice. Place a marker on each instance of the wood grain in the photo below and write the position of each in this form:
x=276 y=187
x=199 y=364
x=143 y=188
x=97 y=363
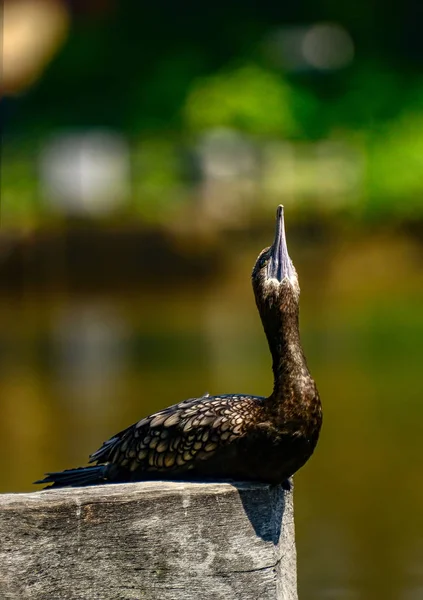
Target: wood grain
x=149 y=540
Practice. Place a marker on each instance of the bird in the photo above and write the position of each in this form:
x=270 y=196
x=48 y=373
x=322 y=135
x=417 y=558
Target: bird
x=235 y=437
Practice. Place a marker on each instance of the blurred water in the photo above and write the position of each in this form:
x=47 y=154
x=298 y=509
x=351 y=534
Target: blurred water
x=75 y=369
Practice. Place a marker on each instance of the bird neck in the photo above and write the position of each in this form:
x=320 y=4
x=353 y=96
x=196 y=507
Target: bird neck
x=288 y=360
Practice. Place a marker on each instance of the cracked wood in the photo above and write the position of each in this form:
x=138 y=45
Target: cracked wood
x=150 y=540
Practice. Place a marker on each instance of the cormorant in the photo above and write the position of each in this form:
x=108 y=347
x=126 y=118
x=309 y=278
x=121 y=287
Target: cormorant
x=233 y=436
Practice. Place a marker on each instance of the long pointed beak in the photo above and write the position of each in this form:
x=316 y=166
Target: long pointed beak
x=280 y=265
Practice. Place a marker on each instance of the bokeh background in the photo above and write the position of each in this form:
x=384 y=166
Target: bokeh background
x=145 y=148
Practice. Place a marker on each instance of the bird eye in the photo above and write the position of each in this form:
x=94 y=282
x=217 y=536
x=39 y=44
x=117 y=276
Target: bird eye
x=264 y=261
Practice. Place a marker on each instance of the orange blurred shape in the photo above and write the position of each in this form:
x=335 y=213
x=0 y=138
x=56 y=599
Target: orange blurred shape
x=33 y=30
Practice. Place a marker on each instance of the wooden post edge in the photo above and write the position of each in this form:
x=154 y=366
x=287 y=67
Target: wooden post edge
x=150 y=540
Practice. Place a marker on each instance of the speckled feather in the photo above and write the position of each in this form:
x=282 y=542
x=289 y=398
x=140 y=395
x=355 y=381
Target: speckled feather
x=178 y=436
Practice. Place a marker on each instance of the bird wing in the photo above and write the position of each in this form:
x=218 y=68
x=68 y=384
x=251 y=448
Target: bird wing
x=177 y=436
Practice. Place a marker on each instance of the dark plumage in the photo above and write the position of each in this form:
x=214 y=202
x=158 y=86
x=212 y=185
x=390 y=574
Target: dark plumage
x=232 y=436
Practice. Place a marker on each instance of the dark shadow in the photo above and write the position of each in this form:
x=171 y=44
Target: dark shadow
x=264 y=506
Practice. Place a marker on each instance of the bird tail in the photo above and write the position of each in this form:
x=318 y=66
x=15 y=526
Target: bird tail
x=76 y=477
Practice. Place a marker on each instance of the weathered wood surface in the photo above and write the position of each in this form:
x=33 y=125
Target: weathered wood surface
x=150 y=540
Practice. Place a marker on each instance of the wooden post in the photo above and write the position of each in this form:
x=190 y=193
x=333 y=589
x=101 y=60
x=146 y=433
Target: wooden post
x=149 y=540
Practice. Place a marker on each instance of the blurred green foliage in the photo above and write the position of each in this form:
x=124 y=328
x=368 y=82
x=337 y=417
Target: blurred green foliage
x=395 y=173
x=166 y=73
x=250 y=99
